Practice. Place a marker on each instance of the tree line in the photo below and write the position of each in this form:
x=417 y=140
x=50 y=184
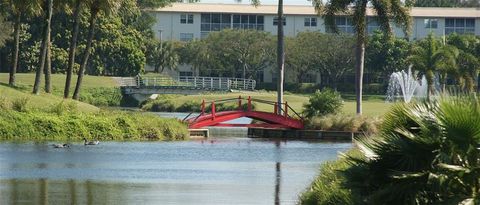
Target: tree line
x=447 y=3
x=97 y=37
x=246 y=53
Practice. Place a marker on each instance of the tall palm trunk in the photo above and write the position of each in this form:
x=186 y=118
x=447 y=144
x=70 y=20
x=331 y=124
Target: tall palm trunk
x=280 y=55
x=359 y=66
x=430 y=78
x=48 y=67
x=13 y=69
x=73 y=47
x=91 y=32
x=43 y=50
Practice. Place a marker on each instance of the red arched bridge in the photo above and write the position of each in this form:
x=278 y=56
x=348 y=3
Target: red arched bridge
x=286 y=117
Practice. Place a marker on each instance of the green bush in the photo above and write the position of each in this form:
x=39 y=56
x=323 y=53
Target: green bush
x=328 y=187
x=163 y=105
x=424 y=153
x=347 y=123
x=20 y=104
x=289 y=87
x=190 y=106
x=323 y=102
x=228 y=106
x=102 y=96
x=64 y=107
x=4 y=103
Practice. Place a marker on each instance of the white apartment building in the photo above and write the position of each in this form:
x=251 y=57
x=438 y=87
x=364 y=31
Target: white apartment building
x=187 y=21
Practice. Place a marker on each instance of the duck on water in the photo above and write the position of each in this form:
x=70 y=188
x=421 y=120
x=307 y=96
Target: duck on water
x=85 y=142
x=60 y=145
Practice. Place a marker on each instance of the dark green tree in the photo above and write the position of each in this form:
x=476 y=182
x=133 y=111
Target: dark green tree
x=6 y=31
x=163 y=55
x=430 y=56
x=19 y=9
x=386 y=54
x=48 y=10
x=447 y=3
x=96 y=7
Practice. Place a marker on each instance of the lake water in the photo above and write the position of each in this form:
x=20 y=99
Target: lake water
x=214 y=171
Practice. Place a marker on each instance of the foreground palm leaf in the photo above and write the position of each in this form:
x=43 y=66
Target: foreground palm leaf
x=425 y=153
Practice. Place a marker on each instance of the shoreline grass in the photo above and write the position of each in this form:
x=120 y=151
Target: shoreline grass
x=44 y=117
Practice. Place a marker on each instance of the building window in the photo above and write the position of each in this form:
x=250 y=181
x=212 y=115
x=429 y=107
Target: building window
x=275 y=21
x=372 y=25
x=431 y=23
x=248 y=22
x=310 y=22
x=186 y=18
x=459 y=25
x=186 y=36
x=344 y=24
x=214 y=22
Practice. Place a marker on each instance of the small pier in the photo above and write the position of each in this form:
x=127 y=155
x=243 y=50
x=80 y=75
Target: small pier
x=301 y=134
x=198 y=133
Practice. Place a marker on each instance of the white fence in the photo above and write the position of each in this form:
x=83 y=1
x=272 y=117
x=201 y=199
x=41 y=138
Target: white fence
x=189 y=82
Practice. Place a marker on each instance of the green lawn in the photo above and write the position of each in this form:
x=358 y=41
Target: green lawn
x=371 y=107
x=42 y=101
x=58 y=80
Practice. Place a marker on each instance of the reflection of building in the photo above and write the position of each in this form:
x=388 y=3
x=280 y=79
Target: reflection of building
x=185 y=22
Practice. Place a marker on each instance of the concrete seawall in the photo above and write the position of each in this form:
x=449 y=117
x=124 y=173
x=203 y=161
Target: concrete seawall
x=301 y=134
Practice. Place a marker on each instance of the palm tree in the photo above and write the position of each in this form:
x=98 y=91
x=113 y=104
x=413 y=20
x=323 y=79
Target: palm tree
x=386 y=10
x=430 y=56
x=163 y=55
x=77 y=6
x=19 y=9
x=107 y=7
x=48 y=4
x=468 y=69
x=425 y=153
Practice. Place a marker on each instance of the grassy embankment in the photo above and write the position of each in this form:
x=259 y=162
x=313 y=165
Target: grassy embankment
x=99 y=90
x=24 y=116
x=96 y=90
x=371 y=107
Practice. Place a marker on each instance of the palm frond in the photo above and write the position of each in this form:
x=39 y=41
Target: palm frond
x=332 y=9
x=382 y=7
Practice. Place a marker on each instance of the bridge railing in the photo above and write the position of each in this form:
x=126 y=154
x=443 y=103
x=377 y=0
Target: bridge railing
x=285 y=109
x=204 y=83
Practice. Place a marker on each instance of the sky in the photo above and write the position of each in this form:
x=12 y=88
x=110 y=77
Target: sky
x=264 y=2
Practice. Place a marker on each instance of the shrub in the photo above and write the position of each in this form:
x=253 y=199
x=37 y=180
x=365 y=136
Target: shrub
x=20 y=104
x=190 y=106
x=323 y=102
x=102 y=96
x=328 y=187
x=4 y=103
x=347 y=123
x=424 y=153
x=228 y=106
x=64 y=107
x=159 y=106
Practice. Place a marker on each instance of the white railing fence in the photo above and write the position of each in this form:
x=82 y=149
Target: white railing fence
x=189 y=82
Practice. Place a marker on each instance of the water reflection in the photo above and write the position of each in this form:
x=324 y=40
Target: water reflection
x=215 y=171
